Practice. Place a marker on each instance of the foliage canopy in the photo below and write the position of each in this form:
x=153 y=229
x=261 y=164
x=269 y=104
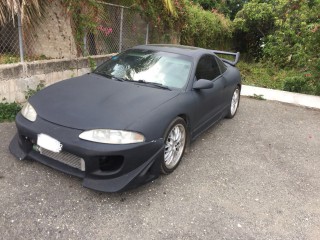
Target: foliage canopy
x=280 y=34
x=208 y=29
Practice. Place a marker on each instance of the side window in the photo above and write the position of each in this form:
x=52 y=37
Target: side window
x=222 y=66
x=207 y=68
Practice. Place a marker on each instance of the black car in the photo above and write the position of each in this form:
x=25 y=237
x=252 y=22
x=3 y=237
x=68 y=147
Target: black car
x=132 y=118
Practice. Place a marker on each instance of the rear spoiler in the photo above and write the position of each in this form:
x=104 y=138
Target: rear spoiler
x=236 y=55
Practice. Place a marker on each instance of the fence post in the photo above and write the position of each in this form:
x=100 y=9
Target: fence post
x=147 y=34
x=20 y=38
x=121 y=26
x=85 y=52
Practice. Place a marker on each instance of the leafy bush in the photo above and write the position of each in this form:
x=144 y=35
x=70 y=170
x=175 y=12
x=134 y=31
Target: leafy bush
x=228 y=8
x=295 y=41
x=284 y=36
x=8 y=111
x=263 y=75
x=92 y=65
x=8 y=58
x=207 y=29
x=252 y=24
x=317 y=89
x=270 y=76
x=284 y=32
x=31 y=91
x=164 y=23
x=298 y=84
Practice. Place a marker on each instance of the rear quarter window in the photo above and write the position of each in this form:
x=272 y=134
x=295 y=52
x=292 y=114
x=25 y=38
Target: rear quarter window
x=222 y=66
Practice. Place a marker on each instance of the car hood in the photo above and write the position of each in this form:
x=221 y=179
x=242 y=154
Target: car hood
x=92 y=102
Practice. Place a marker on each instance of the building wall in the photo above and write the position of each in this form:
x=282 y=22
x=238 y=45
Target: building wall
x=53 y=36
x=15 y=79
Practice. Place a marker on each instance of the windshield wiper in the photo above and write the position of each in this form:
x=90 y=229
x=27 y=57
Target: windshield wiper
x=110 y=76
x=158 y=85
x=118 y=78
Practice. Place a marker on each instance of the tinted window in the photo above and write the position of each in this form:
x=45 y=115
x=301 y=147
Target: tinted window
x=207 y=68
x=222 y=66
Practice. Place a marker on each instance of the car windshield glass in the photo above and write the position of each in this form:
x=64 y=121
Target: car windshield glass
x=167 y=69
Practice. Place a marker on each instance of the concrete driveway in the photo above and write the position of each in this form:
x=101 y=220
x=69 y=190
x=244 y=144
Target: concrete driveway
x=253 y=177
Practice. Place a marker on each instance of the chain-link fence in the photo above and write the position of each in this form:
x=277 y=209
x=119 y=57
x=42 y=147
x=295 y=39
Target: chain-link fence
x=119 y=28
x=55 y=37
x=9 y=43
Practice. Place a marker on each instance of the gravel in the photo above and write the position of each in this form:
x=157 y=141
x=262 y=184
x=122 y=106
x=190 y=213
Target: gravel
x=253 y=177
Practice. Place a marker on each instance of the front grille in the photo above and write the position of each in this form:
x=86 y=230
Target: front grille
x=66 y=158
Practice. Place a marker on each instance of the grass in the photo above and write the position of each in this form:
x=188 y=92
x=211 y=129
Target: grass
x=261 y=75
x=267 y=76
x=7 y=58
x=257 y=97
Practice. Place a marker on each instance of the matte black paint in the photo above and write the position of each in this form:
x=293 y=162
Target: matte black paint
x=67 y=108
x=202 y=84
x=92 y=101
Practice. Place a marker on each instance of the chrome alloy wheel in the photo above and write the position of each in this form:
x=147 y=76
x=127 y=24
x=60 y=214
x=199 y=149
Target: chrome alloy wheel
x=235 y=101
x=174 y=146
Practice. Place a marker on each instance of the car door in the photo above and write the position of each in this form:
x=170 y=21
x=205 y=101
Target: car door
x=209 y=102
x=228 y=84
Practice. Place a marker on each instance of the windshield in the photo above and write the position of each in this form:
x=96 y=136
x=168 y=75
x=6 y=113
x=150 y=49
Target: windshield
x=167 y=69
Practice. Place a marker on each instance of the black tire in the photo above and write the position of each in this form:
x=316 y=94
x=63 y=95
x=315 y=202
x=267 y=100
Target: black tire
x=231 y=112
x=165 y=167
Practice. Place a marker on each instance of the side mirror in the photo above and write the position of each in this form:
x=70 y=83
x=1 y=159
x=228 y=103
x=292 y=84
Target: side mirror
x=202 y=84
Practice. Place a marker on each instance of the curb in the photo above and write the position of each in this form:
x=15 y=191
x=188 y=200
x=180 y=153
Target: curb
x=282 y=96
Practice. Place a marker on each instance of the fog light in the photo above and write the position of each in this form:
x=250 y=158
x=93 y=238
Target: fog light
x=110 y=163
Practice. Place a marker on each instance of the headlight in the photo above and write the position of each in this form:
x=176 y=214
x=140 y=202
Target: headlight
x=112 y=136
x=29 y=112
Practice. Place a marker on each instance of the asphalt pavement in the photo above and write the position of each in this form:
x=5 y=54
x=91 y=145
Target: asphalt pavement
x=252 y=177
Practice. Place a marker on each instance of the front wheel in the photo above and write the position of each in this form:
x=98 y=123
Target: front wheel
x=175 y=144
x=234 y=103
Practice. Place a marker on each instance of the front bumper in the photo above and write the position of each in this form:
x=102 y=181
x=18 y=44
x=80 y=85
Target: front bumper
x=108 y=168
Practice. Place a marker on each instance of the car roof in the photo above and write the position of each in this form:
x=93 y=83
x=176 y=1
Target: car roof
x=193 y=52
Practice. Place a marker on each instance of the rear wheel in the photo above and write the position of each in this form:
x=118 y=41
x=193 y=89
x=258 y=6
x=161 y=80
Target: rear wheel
x=234 y=103
x=175 y=144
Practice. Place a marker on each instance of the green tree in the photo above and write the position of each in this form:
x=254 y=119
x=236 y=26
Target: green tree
x=167 y=4
x=208 y=29
x=30 y=10
x=165 y=21
x=253 y=23
x=227 y=7
x=284 y=34
x=295 y=41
